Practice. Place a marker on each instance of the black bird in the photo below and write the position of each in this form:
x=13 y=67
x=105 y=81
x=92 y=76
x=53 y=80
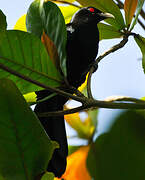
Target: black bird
x=81 y=49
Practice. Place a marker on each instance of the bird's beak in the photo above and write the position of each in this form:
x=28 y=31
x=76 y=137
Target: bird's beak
x=106 y=15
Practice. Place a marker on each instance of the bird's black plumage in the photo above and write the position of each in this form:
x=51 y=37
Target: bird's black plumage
x=81 y=49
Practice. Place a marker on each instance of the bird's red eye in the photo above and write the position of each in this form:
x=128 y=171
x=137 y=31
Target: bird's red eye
x=92 y=10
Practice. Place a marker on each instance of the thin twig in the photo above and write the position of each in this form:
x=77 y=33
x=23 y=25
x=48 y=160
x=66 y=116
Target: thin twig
x=58 y=91
x=123 y=98
x=142 y=13
x=89 y=84
x=87 y=103
x=113 y=49
x=63 y=112
x=95 y=105
x=141 y=24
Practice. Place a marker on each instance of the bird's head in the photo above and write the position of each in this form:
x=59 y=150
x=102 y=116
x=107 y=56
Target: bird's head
x=90 y=14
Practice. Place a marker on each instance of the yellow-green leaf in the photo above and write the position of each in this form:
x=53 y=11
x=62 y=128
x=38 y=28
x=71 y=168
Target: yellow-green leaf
x=85 y=129
x=68 y=12
x=48 y=176
x=30 y=97
x=108 y=32
x=141 y=43
x=129 y=8
x=21 y=24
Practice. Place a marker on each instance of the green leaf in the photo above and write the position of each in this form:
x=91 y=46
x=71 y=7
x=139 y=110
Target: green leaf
x=107 y=6
x=141 y=43
x=24 y=53
x=93 y=114
x=25 y=148
x=48 y=176
x=3 y=22
x=138 y=10
x=46 y=16
x=121 y=152
x=108 y=32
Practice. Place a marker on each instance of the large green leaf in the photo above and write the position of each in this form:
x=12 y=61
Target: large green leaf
x=108 y=32
x=46 y=16
x=141 y=43
x=121 y=152
x=25 y=54
x=129 y=8
x=107 y=6
x=25 y=149
x=138 y=10
x=3 y=22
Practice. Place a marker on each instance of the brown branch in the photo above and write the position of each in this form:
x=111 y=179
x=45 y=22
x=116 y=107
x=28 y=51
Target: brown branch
x=58 y=91
x=89 y=84
x=87 y=103
x=94 y=104
x=141 y=24
x=142 y=13
x=123 y=98
x=113 y=49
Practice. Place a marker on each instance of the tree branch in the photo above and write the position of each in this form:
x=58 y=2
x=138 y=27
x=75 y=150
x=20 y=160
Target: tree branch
x=87 y=102
x=123 y=98
x=113 y=49
x=58 y=91
x=95 y=104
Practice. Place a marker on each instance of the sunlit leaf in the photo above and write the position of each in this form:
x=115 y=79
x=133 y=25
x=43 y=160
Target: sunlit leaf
x=24 y=53
x=48 y=176
x=141 y=43
x=3 y=22
x=25 y=148
x=108 y=32
x=93 y=114
x=76 y=165
x=84 y=85
x=107 y=6
x=59 y=2
x=46 y=16
x=138 y=10
x=30 y=97
x=68 y=12
x=85 y=129
x=21 y=23
x=129 y=8
x=120 y=153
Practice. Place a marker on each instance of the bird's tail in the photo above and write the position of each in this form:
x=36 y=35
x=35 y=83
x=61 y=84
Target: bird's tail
x=55 y=128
